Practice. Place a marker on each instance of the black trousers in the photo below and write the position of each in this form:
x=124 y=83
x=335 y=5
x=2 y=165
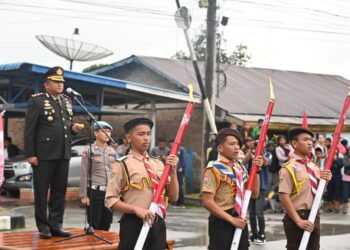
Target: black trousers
x=51 y=174
x=180 y=179
x=256 y=213
x=294 y=233
x=221 y=234
x=130 y=227
x=99 y=217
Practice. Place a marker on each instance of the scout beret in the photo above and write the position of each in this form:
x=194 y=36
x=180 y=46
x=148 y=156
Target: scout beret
x=294 y=132
x=137 y=121
x=223 y=133
x=103 y=124
x=54 y=74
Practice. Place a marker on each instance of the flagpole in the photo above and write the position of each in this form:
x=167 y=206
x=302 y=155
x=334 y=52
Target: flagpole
x=174 y=149
x=253 y=171
x=2 y=155
x=328 y=164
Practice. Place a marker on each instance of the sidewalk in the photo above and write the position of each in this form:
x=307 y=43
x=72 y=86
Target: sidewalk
x=10 y=219
x=189 y=226
x=337 y=242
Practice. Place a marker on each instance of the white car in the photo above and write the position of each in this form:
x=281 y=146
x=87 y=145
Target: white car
x=18 y=172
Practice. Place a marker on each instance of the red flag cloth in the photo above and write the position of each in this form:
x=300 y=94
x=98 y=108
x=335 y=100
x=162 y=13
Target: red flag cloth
x=2 y=155
x=152 y=175
x=304 y=124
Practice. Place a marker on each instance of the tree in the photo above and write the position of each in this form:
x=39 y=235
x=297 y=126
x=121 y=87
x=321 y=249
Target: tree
x=237 y=57
x=93 y=67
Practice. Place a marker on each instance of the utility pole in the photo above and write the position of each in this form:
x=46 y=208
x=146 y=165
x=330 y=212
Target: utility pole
x=211 y=53
x=210 y=83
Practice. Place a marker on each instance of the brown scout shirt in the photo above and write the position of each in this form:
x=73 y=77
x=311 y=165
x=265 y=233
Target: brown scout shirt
x=139 y=191
x=286 y=185
x=222 y=191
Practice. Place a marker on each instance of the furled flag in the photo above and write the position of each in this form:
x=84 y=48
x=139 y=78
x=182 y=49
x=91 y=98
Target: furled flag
x=304 y=124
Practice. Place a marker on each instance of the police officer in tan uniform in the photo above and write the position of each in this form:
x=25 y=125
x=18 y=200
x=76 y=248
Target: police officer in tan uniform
x=102 y=157
x=130 y=189
x=297 y=190
x=220 y=191
x=47 y=144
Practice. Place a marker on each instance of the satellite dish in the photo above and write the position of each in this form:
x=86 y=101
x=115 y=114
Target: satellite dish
x=73 y=50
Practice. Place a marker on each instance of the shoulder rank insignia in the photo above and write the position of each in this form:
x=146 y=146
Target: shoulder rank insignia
x=37 y=94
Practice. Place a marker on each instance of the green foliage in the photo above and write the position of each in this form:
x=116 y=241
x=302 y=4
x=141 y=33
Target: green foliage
x=237 y=57
x=93 y=67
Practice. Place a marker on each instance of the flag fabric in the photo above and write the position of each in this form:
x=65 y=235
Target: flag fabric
x=2 y=155
x=304 y=123
x=152 y=175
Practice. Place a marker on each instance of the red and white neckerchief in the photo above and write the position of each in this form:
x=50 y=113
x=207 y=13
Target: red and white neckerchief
x=161 y=211
x=311 y=174
x=239 y=189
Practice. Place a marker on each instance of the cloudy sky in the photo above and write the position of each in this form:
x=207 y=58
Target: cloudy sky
x=309 y=36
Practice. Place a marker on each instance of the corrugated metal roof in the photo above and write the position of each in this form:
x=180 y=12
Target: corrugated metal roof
x=28 y=68
x=247 y=89
x=289 y=120
x=10 y=66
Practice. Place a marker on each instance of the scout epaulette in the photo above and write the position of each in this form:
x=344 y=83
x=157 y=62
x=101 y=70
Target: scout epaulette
x=123 y=158
x=37 y=94
x=216 y=172
x=289 y=166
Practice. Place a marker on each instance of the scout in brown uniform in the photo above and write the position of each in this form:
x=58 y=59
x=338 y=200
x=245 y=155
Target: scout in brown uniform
x=130 y=188
x=102 y=157
x=220 y=191
x=296 y=182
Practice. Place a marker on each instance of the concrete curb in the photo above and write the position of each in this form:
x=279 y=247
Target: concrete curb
x=13 y=221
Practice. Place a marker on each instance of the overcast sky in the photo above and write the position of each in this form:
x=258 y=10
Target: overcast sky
x=309 y=36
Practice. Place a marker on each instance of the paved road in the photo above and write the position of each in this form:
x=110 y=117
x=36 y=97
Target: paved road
x=188 y=226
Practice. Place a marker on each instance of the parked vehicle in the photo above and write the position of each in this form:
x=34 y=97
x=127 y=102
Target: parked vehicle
x=18 y=172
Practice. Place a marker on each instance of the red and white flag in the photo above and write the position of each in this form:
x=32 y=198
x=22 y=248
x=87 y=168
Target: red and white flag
x=2 y=156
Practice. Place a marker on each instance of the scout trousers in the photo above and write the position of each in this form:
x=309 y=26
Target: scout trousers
x=130 y=227
x=294 y=233
x=221 y=234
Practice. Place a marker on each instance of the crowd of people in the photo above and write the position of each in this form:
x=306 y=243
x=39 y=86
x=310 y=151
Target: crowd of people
x=277 y=152
x=124 y=177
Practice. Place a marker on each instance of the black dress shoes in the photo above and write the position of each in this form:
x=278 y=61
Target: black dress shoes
x=45 y=234
x=60 y=232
